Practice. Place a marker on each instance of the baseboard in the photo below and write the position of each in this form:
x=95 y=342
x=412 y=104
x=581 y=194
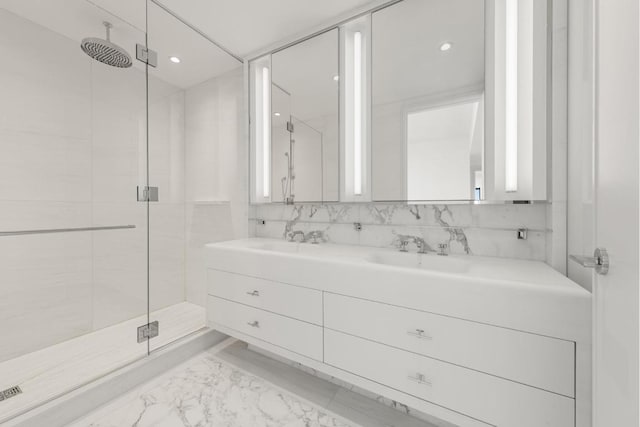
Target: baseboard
x=77 y=403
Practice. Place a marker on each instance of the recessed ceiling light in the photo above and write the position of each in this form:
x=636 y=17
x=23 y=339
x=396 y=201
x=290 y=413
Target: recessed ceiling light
x=174 y=59
x=445 y=46
x=336 y=78
x=276 y=114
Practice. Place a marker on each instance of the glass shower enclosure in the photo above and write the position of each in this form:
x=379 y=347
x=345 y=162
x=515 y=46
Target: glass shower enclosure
x=100 y=181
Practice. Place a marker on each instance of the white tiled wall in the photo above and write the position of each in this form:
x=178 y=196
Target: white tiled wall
x=45 y=182
x=73 y=148
x=216 y=173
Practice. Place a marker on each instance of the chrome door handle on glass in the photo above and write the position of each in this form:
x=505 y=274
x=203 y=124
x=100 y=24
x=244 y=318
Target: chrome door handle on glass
x=254 y=324
x=419 y=333
x=599 y=261
x=254 y=293
x=420 y=379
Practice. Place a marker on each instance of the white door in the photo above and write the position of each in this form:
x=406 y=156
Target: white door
x=616 y=332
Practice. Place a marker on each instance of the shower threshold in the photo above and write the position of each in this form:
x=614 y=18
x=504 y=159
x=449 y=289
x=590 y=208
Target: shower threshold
x=50 y=372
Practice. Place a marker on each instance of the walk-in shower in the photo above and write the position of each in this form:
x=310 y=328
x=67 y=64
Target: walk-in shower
x=86 y=267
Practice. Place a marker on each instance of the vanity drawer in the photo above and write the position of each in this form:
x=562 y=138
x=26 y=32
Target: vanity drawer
x=485 y=397
x=300 y=337
x=287 y=300
x=542 y=362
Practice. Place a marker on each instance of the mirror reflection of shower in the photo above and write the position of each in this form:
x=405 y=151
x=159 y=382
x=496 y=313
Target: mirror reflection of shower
x=288 y=195
x=296 y=148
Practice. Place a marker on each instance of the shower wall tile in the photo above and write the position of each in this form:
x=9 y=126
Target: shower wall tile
x=487 y=230
x=119 y=263
x=166 y=254
x=215 y=172
x=35 y=214
x=205 y=223
x=46 y=292
x=44 y=167
x=167 y=147
x=49 y=91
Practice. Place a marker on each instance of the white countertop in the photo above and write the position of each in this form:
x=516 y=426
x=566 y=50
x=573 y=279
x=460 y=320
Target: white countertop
x=524 y=295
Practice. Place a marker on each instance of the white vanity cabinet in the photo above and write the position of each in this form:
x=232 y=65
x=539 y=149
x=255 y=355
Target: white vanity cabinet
x=542 y=362
x=466 y=371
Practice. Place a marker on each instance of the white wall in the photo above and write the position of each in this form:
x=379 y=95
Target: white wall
x=580 y=202
x=216 y=172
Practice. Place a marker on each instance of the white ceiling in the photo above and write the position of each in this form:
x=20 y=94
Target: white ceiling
x=77 y=19
x=244 y=26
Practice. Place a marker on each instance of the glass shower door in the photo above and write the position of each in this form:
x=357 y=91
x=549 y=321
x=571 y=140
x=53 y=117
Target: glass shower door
x=195 y=93
x=73 y=237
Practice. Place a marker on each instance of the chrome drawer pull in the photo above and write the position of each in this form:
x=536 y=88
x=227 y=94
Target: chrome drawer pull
x=419 y=333
x=254 y=324
x=420 y=379
x=254 y=293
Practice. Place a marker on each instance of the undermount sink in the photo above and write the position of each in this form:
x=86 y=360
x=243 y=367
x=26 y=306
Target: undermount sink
x=308 y=249
x=430 y=262
x=275 y=246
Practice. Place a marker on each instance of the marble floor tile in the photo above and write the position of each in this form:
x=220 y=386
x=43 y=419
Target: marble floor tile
x=208 y=391
x=232 y=386
x=353 y=406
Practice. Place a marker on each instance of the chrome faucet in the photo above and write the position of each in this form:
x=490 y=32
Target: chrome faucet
x=403 y=243
x=315 y=237
x=422 y=246
x=292 y=236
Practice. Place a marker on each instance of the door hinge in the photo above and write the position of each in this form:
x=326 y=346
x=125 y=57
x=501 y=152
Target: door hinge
x=148 y=194
x=148 y=331
x=147 y=56
x=290 y=127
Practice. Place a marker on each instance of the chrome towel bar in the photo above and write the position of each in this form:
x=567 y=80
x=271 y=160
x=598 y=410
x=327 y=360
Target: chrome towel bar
x=63 y=230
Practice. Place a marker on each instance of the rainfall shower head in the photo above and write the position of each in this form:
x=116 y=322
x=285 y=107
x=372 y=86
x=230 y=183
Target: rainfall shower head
x=105 y=51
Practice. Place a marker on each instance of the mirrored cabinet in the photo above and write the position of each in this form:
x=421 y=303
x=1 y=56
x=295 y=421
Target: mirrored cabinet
x=428 y=84
x=416 y=101
x=295 y=122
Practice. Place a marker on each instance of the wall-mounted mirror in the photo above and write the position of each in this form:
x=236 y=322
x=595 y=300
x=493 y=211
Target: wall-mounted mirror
x=450 y=116
x=428 y=78
x=303 y=157
x=442 y=100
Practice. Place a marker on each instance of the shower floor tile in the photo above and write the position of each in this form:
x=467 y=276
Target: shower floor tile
x=232 y=386
x=48 y=373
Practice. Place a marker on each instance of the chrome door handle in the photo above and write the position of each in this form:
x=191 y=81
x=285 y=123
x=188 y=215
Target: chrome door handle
x=254 y=293
x=419 y=333
x=599 y=261
x=254 y=324
x=420 y=379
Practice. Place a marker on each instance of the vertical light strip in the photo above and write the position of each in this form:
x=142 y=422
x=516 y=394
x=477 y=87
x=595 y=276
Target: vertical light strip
x=357 y=113
x=511 y=94
x=266 y=133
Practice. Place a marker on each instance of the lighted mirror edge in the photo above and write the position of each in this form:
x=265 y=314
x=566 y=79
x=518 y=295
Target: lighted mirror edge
x=511 y=96
x=266 y=133
x=357 y=113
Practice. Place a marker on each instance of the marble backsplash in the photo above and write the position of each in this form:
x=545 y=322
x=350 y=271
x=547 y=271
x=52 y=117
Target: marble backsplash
x=486 y=230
